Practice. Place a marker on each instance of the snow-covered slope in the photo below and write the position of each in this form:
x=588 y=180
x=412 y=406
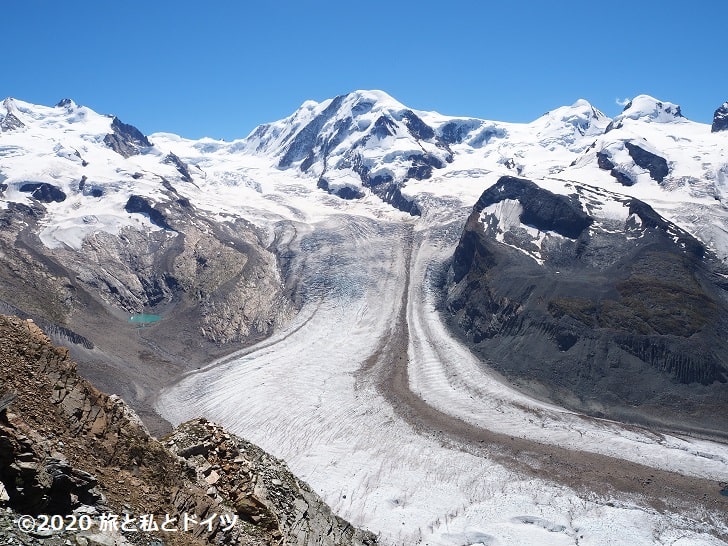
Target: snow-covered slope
x=69 y=157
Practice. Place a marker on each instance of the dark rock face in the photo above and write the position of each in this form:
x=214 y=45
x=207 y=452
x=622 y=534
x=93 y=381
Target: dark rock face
x=126 y=140
x=137 y=204
x=383 y=127
x=400 y=202
x=651 y=220
x=181 y=166
x=422 y=165
x=44 y=192
x=304 y=142
x=417 y=128
x=647 y=160
x=604 y=162
x=720 y=119
x=10 y=122
x=40 y=484
x=455 y=132
x=622 y=178
x=386 y=188
x=628 y=323
x=345 y=192
x=542 y=209
x=21 y=210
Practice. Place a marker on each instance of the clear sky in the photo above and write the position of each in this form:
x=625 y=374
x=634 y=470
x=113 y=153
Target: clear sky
x=218 y=68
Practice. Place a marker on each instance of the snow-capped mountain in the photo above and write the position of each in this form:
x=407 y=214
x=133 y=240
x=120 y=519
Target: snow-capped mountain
x=355 y=145
x=87 y=165
x=594 y=258
x=366 y=142
x=652 y=141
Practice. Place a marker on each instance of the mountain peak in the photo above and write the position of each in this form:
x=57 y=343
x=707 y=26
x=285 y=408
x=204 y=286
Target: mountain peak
x=568 y=124
x=650 y=109
x=66 y=103
x=374 y=95
x=10 y=105
x=10 y=121
x=362 y=101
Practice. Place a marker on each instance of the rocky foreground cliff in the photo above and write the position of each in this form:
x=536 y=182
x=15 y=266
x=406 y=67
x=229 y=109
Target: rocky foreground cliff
x=69 y=450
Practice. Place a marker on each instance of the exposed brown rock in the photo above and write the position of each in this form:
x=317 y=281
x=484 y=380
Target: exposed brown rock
x=67 y=448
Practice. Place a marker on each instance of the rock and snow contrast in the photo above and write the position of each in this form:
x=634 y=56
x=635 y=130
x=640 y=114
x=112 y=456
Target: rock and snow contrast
x=82 y=452
x=457 y=331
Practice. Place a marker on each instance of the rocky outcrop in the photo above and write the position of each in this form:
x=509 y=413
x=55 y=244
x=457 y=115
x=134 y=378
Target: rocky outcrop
x=10 y=122
x=71 y=449
x=260 y=487
x=137 y=204
x=181 y=166
x=622 y=319
x=68 y=449
x=542 y=209
x=345 y=192
x=720 y=119
x=416 y=127
x=656 y=165
x=605 y=163
x=44 y=192
x=386 y=187
x=126 y=140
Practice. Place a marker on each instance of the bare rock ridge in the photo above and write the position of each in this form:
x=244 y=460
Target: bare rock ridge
x=67 y=448
x=628 y=322
x=126 y=140
x=9 y=121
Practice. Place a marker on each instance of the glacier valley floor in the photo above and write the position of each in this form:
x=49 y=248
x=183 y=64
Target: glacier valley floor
x=367 y=397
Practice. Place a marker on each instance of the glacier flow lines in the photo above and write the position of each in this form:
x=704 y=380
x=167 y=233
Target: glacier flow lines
x=370 y=400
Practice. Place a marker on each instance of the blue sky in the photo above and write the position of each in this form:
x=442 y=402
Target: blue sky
x=219 y=68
